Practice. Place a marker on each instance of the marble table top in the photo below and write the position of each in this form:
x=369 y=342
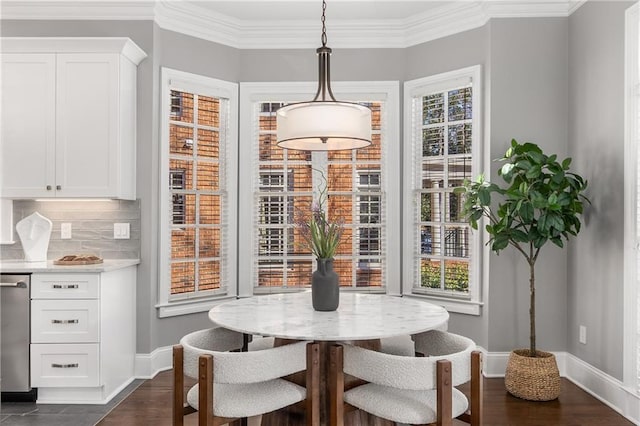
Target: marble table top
x=359 y=317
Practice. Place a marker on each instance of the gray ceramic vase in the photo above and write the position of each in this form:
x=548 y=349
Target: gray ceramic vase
x=325 y=287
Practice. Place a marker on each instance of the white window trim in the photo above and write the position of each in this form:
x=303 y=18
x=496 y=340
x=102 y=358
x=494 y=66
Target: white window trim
x=387 y=91
x=631 y=355
x=179 y=80
x=469 y=305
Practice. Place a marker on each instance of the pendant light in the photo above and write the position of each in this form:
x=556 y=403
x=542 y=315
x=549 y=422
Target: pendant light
x=323 y=124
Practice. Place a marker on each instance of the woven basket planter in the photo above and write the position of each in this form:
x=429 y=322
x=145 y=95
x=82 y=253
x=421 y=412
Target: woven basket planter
x=533 y=379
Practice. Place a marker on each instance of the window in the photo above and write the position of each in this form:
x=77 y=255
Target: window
x=176 y=104
x=197 y=263
x=284 y=183
x=442 y=133
x=369 y=244
x=176 y=184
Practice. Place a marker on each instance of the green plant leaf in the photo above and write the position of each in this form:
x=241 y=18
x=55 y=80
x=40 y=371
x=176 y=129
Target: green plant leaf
x=484 y=196
x=566 y=163
x=533 y=172
x=558 y=177
x=526 y=212
x=555 y=221
x=531 y=147
x=500 y=242
x=519 y=236
x=524 y=164
x=557 y=241
x=506 y=169
x=537 y=157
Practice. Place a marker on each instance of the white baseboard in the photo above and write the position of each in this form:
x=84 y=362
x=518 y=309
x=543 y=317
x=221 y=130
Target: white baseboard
x=148 y=365
x=602 y=386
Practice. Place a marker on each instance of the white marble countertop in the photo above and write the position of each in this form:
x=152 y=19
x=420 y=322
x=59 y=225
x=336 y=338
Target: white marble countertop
x=20 y=266
x=359 y=317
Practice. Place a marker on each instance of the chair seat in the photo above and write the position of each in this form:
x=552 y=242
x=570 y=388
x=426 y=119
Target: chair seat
x=246 y=400
x=261 y=343
x=398 y=345
x=402 y=405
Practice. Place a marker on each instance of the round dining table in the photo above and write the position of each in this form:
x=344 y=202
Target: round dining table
x=361 y=318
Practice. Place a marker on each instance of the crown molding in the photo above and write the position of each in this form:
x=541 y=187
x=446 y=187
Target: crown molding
x=530 y=8
x=447 y=20
x=78 y=10
x=189 y=19
x=122 y=45
x=193 y=20
x=575 y=4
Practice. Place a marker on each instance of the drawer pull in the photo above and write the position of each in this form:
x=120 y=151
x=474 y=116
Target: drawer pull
x=65 y=286
x=64 y=365
x=71 y=321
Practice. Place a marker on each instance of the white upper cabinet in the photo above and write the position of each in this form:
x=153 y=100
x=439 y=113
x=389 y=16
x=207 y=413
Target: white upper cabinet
x=69 y=117
x=28 y=124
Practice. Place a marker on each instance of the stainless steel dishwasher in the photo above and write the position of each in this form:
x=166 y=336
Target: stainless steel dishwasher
x=15 y=333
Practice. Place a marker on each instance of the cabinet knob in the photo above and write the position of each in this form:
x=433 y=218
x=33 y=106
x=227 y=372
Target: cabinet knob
x=58 y=187
x=48 y=187
x=74 y=365
x=65 y=286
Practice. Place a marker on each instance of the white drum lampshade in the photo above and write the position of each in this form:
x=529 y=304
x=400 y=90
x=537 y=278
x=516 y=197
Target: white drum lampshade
x=323 y=126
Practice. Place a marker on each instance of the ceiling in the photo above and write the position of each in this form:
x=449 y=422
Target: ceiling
x=287 y=24
x=312 y=9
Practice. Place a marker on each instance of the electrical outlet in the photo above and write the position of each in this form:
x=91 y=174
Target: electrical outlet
x=65 y=231
x=583 y=335
x=121 y=231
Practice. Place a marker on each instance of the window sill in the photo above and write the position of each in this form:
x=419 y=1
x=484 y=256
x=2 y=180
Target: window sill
x=458 y=306
x=185 y=307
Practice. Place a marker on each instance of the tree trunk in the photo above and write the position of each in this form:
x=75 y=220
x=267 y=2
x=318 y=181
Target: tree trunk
x=532 y=310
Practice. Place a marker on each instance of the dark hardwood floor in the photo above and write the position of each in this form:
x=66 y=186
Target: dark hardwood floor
x=150 y=404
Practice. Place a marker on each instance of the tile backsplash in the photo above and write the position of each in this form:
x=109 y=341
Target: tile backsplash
x=91 y=228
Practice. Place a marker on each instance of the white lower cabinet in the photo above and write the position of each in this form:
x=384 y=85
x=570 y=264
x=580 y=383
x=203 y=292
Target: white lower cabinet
x=83 y=335
x=68 y=321
x=71 y=365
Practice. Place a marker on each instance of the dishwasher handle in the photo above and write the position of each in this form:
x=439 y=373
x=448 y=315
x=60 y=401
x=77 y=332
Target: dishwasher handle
x=18 y=284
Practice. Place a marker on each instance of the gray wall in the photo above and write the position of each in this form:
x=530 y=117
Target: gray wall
x=596 y=143
x=529 y=73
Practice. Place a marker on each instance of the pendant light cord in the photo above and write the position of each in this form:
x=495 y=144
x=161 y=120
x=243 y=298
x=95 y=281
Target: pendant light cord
x=323 y=39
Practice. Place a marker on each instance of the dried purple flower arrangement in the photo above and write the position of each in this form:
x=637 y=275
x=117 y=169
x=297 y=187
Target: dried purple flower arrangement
x=319 y=234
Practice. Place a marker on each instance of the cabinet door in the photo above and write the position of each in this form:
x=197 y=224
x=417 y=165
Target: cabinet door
x=28 y=125
x=65 y=321
x=87 y=125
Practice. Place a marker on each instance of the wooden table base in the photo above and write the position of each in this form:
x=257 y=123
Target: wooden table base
x=293 y=417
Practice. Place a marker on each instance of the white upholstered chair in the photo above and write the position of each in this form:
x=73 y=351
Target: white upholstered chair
x=407 y=389
x=236 y=385
x=404 y=345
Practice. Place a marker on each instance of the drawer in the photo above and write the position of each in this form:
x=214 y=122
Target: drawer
x=70 y=365
x=65 y=321
x=65 y=286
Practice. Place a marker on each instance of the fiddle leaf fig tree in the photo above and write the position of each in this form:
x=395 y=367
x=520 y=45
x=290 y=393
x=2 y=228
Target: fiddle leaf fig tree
x=541 y=201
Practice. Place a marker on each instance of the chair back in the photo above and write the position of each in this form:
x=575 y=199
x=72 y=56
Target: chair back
x=240 y=367
x=415 y=373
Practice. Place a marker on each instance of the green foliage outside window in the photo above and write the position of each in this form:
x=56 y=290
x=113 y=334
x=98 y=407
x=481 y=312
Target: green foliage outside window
x=456 y=275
